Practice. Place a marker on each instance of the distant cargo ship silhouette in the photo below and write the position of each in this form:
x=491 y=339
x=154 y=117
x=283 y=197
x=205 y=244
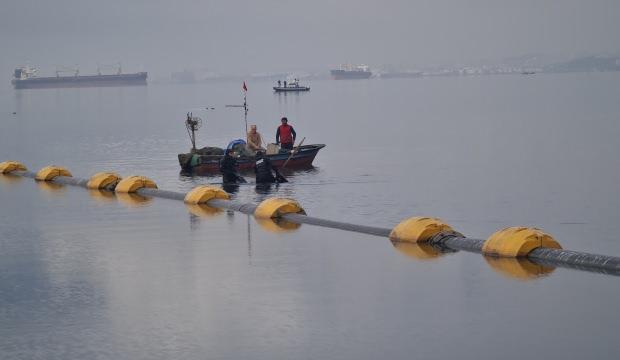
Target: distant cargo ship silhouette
x=348 y=71
x=26 y=77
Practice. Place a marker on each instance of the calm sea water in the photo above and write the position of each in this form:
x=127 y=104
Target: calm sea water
x=88 y=276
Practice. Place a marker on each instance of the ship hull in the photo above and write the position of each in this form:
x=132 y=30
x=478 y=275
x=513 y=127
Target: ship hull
x=291 y=89
x=344 y=74
x=137 y=79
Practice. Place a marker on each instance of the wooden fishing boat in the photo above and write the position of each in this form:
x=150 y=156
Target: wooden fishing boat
x=194 y=163
x=206 y=161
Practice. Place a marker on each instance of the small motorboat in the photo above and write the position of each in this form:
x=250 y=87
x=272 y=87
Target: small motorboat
x=292 y=86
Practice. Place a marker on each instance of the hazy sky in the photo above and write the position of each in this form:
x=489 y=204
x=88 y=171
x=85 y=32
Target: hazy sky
x=272 y=35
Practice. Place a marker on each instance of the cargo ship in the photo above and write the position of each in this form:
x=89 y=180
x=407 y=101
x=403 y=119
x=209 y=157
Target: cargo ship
x=349 y=71
x=26 y=78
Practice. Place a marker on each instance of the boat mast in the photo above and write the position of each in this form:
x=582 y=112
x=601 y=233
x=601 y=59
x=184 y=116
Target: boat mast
x=245 y=110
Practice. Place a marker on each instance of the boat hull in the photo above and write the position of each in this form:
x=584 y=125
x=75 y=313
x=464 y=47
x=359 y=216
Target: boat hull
x=81 y=81
x=291 y=89
x=209 y=164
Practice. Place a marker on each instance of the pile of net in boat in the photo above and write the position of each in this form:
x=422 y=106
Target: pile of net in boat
x=210 y=150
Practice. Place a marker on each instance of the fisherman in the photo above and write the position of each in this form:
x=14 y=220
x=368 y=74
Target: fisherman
x=263 y=170
x=255 y=140
x=279 y=83
x=285 y=135
x=284 y=83
x=229 y=169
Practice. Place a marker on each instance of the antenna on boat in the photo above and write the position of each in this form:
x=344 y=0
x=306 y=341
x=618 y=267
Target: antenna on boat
x=192 y=123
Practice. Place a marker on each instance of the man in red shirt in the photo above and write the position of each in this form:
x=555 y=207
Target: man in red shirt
x=285 y=135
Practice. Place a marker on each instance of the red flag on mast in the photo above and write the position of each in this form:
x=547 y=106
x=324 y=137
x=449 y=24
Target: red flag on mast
x=245 y=88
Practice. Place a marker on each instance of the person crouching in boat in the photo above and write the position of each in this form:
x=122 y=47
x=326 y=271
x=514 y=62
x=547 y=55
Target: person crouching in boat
x=255 y=141
x=263 y=170
x=229 y=169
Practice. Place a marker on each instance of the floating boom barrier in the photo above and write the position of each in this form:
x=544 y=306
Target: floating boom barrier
x=519 y=251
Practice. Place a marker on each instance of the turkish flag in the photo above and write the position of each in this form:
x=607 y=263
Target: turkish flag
x=245 y=88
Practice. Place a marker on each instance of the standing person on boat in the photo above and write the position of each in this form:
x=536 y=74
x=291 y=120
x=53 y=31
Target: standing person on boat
x=255 y=140
x=229 y=169
x=285 y=135
x=279 y=83
x=263 y=170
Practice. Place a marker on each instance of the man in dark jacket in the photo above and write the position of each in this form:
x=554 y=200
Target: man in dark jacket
x=285 y=135
x=228 y=168
x=263 y=168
